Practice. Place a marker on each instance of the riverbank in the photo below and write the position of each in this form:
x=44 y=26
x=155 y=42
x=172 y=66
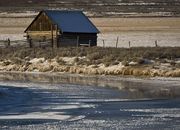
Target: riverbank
x=146 y=62
x=139 y=87
x=163 y=70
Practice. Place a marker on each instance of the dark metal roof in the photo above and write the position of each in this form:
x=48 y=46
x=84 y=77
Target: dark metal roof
x=71 y=21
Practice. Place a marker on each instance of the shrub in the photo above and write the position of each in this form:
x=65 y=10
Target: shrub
x=17 y=60
x=125 y=63
x=140 y=61
x=83 y=62
x=94 y=66
x=60 y=61
x=94 y=56
x=115 y=63
x=177 y=65
x=107 y=64
x=7 y=62
x=76 y=60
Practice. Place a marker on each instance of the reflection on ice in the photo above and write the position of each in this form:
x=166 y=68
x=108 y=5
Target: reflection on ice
x=133 y=87
x=67 y=106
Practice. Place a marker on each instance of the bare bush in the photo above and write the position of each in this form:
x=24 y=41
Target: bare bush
x=60 y=61
x=95 y=55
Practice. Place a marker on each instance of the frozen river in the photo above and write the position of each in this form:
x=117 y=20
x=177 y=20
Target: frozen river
x=95 y=103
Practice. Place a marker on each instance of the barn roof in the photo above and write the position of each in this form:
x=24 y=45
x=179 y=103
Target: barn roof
x=71 y=21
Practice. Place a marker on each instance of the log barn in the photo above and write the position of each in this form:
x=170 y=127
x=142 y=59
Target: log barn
x=63 y=28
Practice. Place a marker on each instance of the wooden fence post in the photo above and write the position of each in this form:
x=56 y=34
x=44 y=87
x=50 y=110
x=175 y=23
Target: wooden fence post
x=117 y=42
x=53 y=52
x=89 y=43
x=156 y=44
x=129 y=44
x=8 y=42
x=52 y=41
x=30 y=43
x=103 y=43
x=77 y=41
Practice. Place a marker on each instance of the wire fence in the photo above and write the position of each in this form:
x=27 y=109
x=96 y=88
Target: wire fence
x=138 y=40
x=5 y=43
x=119 y=43
x=116 y=42
x=25 y=43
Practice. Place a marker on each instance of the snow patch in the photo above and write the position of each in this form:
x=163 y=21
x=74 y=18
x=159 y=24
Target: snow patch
x=39 y=115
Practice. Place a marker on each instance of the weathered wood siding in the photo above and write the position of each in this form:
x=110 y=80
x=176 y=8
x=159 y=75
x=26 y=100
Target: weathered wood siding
x=41 y=27
x=38 y=35
x=42 y=23
x=72 y=39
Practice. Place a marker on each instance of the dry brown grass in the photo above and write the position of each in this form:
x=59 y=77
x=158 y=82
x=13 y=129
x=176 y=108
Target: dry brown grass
x=105 y=24
x=137 y=24
x=94 y=54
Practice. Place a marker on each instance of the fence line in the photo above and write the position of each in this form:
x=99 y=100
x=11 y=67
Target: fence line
x=116 y=42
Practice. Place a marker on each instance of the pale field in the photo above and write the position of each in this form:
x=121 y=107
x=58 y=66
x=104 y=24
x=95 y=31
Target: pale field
x=139 y=31
x=137 y=24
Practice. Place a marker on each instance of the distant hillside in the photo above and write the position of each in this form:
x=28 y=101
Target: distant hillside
x=99 y=7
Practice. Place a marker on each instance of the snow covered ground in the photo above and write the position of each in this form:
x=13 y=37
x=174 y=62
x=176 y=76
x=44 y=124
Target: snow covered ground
x=139 y=38
x=136 y=39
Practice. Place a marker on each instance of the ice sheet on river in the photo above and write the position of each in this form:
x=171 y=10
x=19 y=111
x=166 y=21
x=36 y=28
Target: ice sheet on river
x=108 y=103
